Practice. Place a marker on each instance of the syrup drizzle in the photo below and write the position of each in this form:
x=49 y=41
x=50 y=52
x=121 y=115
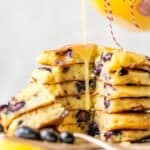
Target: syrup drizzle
x=108 y=11
x=83 y=22
x=85 y=54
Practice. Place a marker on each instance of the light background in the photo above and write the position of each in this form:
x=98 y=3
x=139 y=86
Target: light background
x=29 y=26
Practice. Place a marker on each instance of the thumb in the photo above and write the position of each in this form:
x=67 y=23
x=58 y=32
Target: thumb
x=144 y=7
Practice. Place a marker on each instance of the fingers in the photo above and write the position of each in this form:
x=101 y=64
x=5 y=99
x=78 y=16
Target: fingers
x=144 y=7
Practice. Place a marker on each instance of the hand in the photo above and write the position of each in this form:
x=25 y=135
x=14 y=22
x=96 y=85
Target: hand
x=144 y=7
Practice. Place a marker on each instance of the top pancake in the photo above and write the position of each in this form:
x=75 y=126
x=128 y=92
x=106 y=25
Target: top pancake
x=113 y=59
x=66 y=55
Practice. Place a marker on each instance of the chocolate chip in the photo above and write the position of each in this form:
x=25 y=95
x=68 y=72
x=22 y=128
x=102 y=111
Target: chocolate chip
x=65 y=69
x=15 y=107
x=109 y=134
x=82 y=116
x=45 y=68
x=80 y=86
x=123 y=72
x=106 y=103
x=93 y=129
x=107 y=57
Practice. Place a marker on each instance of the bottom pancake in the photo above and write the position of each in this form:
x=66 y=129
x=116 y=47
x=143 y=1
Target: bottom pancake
x=49 y=115
x=125 y=135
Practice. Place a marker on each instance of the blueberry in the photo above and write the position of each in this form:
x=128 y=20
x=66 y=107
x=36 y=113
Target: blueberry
x=83 y=116
x=107 y=57
x=68 y=52
x=67 y=137
x=27 y=133
x=1 y=129
x=98 y=69
x=80 y=86
x=106 y=103
x=65 y=69
x=109 y=134
x=49 y=135
x=123 y=72
x=3 y=107
x=15 y=107
x=93 y=129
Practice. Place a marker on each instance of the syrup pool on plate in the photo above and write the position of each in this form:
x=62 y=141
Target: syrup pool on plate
x=124 y=13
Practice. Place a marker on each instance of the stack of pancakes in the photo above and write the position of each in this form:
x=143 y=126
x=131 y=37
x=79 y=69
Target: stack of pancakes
x=123 y=101
x=55 y=95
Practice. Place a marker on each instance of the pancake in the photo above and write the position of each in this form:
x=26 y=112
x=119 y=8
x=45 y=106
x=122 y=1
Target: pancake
x=46 y=116
x=122 y=105
x=112 y=60
x=126 y=77
x=57 y=74
x=125 y=135
x=56 y=90
x=124 y=91
x=66 y=55
x=131 y=121
x=69 y=94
